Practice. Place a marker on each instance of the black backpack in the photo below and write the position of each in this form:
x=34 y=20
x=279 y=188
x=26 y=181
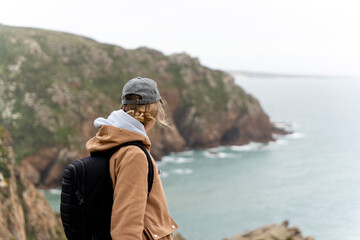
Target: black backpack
x=87 y=195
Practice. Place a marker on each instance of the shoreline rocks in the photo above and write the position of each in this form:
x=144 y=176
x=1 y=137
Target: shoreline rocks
x=272 y=232
x=268 y=232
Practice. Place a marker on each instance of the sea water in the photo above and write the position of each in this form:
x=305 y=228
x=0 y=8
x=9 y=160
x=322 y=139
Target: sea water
x=311 y=177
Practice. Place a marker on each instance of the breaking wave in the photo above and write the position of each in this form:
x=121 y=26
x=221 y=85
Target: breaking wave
x=176 y=160
x=295 y=135
x=183 y=171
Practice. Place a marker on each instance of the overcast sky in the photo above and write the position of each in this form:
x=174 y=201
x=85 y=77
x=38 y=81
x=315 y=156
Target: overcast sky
x=285 y=36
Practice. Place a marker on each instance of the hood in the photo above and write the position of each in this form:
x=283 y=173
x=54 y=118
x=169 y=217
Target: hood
x=109 y=136
x=121 y=119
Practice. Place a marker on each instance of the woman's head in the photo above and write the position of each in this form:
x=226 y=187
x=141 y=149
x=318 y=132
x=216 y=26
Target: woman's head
x=141 y=100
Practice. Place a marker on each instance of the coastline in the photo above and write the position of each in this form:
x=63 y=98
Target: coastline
x=53 y=194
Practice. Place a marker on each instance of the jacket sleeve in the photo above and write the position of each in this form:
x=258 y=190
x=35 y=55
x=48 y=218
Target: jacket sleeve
x=130 y=196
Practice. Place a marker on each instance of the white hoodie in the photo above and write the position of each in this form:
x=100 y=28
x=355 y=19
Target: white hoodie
x=123 y=120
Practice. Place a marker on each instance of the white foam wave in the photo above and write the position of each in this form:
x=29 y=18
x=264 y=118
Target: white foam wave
x=252 y=146
x=164 y=174
x=55 y=191
x=278 y=142
x=289 y=126
x=176 y=160
x=295 y=135
x=183 y=171
x=160 y=163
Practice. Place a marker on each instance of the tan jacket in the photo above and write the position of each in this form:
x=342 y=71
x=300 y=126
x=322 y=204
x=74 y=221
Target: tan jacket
x=134 y=215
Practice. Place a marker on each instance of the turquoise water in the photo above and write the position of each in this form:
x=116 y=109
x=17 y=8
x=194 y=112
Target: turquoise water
x=310 y=177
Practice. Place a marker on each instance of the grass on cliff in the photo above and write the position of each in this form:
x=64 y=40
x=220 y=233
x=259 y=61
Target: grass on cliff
x=4 y=169
x=61 y=80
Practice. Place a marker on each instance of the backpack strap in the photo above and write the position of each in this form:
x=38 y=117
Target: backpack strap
x=150 y=177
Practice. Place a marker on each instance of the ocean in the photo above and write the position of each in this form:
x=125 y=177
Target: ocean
x=311 y=177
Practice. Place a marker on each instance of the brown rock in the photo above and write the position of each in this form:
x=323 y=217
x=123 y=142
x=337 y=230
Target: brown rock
x=54 y=175
x=36 y=165
x=24 y=212
x=42 y=159
x=31 y=173
x=272 y=232
x=177 y=236
x=40 y=218
x=256 y=128
x=12 y=219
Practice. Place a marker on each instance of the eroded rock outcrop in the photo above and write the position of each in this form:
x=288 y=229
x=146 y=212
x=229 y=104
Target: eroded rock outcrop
x=273 y=232
x=24 y=212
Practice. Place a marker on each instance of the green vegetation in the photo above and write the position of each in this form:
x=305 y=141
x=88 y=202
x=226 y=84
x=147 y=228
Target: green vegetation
x=4 y=169
x=53 y=82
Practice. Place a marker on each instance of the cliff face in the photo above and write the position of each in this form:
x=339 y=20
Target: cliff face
x=24 y=212
x=53 y=85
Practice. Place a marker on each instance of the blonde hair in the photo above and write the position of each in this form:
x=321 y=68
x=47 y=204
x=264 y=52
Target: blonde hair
x=146 y=113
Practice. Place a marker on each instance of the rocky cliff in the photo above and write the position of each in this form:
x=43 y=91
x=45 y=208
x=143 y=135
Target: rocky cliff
x=53 y=85
x=24 y=212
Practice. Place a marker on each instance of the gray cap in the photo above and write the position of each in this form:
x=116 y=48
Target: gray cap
x=145 y=87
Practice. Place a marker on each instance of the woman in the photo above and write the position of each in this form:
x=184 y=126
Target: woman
x=135 y=215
